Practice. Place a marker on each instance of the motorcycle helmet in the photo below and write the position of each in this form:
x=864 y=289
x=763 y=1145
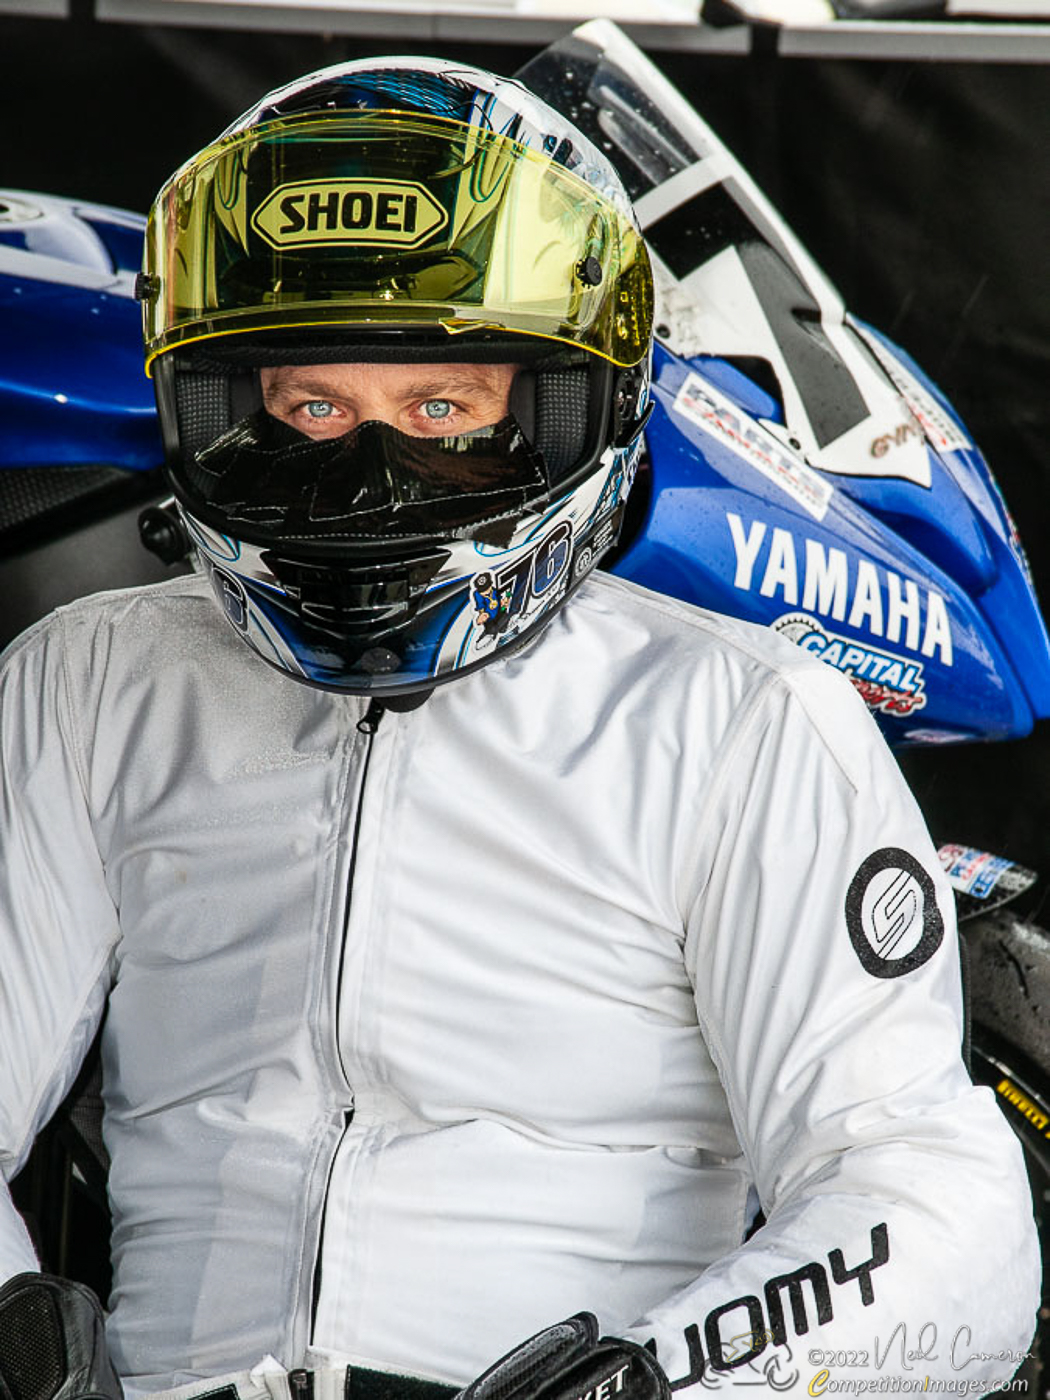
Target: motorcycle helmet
x=399 y=211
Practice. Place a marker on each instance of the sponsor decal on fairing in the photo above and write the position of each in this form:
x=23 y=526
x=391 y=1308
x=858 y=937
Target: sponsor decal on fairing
x=901 y=434
x=701 y=403
x=940 y=736
x=941 y=429
x=806 y=574
x=893 y=685
x=971 y=871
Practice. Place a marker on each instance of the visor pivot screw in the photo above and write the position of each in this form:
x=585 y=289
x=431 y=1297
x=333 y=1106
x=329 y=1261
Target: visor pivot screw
x=589 y=271
x=147 y=287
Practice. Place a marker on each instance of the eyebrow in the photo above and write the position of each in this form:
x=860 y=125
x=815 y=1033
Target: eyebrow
x=285 y=383
x=432 y=387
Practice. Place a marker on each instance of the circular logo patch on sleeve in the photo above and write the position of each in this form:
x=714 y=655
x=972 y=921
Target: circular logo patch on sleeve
x=892 y=915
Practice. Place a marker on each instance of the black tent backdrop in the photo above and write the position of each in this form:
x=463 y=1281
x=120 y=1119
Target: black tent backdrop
x=920 y=187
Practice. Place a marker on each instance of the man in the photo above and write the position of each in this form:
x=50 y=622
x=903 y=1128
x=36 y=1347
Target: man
x=486 y=976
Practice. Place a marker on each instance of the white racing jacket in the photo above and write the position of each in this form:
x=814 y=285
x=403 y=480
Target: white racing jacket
x=420 y=1040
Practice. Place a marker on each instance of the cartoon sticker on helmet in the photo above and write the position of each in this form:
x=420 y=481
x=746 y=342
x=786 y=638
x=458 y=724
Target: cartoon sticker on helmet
x=492 y=604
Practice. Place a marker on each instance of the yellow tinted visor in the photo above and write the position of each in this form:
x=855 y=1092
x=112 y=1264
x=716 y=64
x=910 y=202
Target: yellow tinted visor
x=382 y=220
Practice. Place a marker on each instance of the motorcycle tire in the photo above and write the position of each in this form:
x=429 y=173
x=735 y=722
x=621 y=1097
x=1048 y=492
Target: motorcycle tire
x=1009 y=981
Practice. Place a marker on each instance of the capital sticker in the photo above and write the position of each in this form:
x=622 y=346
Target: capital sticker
x=312 y=213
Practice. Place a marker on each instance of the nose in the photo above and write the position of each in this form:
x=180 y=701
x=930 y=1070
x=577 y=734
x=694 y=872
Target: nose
x=373 y=406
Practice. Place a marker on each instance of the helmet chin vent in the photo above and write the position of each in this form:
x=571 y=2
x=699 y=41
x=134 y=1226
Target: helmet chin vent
x=357 y=598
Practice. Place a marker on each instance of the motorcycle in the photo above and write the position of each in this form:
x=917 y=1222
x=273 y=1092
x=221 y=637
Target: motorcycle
x=801 y=471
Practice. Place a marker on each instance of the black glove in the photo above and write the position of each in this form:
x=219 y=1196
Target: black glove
x=52 y=1345
x=569 y=1361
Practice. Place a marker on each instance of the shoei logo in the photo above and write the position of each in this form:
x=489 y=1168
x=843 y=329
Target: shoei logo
x=311 y=213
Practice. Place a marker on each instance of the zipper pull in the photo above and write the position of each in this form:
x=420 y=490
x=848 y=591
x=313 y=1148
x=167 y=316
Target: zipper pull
x=369 y=721
x=301 y=1385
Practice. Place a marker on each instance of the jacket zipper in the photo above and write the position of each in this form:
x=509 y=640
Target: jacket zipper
x=367 y=725
x=301 y=1384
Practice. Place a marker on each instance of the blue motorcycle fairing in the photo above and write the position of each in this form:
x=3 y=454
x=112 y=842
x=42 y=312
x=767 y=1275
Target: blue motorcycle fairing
x=72 y=388
x=846 y=585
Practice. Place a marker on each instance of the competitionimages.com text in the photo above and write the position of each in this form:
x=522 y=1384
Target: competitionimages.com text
x=824 y=1383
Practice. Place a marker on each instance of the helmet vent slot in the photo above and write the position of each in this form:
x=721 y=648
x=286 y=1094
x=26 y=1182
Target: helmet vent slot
x=204 y=410
x=561 y=417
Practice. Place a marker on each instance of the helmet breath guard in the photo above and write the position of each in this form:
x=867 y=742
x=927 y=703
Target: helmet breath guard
x=398 y=212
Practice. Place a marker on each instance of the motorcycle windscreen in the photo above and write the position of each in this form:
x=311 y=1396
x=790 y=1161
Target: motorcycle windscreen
x=732 y=279
x=392 y=220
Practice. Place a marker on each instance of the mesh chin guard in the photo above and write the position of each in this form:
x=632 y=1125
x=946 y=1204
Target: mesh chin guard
x=263 y=479
x=237 y=470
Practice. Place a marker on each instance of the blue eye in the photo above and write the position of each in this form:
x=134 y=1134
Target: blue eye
x=319 y=408
x=437 y=408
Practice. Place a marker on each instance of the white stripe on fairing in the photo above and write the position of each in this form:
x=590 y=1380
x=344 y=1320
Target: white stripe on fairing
x=693 y=180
